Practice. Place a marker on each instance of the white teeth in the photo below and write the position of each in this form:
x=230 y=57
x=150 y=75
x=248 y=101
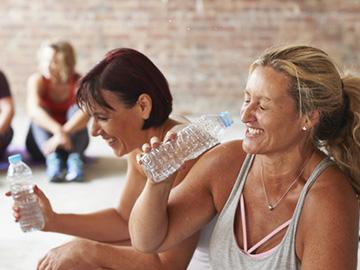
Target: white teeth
x=111 y=141
x=254 y=131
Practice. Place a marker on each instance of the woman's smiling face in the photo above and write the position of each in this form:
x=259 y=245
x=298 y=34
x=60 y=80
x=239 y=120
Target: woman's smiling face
x=121 y=128
x=269 y=113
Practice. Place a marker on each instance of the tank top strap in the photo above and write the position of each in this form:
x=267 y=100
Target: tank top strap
x=323 y=164
x=236 y=191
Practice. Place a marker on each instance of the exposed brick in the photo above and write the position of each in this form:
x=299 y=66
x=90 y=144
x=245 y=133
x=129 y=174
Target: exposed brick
x=204 y=53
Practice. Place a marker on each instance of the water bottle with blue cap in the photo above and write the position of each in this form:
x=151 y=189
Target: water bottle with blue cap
x=197 y=137
x=19 y=176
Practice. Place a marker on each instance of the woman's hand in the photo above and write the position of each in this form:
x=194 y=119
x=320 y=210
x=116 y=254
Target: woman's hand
x=148 y=147
x=46 y=209
x=58 y=140
x=77 y=254
x=155 y=143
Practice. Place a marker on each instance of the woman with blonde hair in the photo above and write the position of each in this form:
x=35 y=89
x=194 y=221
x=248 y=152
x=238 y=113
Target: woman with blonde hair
x=285 y=195
x=58 y=129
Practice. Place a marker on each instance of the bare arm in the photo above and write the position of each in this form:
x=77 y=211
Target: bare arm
x=7 y=111
x=328 y=229
x=109 y=225
x=83 y=254
x=172 y=217
x=149 y=218
x=127 y=258
x=76 y=123
x=87 y=255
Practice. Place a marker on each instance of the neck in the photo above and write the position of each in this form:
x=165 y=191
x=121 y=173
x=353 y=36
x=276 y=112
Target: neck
x=280 y=185
x=282 y=167
x=160 y=131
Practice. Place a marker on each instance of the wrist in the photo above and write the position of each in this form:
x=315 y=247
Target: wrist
x=57 y=130
x=96 y=250
x=53 y=223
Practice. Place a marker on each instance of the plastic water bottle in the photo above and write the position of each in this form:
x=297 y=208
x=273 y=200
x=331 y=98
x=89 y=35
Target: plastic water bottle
x=19 y=176
x=191 y=141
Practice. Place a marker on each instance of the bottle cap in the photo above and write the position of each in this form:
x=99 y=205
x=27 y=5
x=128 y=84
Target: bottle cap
x=226 y=118
x=14 y=158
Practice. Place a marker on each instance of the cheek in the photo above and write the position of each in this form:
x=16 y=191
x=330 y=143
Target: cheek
x=243 y=111
x=242 y=108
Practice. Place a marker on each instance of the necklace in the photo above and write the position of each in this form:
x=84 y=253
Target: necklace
x=272 y=206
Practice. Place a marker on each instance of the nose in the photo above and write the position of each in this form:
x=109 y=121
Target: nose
x=95 y=128
x=247 y=113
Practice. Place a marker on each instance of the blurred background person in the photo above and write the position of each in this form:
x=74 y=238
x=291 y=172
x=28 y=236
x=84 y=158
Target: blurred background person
x=6 y=114
x=58 y=130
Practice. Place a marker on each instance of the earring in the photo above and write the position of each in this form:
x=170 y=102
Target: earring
x=304 y=128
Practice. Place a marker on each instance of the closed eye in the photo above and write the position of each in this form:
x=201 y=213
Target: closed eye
x=99 y=117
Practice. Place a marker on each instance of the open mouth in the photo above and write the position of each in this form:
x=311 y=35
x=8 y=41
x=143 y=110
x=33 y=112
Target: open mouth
x=254 y=131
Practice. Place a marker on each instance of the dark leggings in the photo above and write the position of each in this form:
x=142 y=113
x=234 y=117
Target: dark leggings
x=37 y=136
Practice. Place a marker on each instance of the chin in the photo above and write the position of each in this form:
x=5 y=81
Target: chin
x=249 y=148
x=118 y=153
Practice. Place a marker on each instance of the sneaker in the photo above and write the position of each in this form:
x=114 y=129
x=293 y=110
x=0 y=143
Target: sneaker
x=55 y=168
x=75 y=167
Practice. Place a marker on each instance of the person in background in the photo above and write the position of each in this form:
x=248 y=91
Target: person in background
x=286 y=195
x=58 y=130
x=7 y=111
x=130 y=101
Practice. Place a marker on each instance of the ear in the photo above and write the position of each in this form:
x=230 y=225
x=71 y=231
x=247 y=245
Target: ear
x=144 y=104
x=311 y=120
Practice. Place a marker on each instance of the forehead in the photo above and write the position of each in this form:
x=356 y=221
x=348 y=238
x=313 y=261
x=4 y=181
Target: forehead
x=107 y=98
x=268 y=82
x=47 y=53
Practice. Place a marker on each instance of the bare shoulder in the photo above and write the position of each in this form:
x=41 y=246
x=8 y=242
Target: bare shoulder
x=35 y=82
x=332 y=192
x=225 y=152
x=220 y=167
x=330 y=215
x=35 y=78
x=219 y=162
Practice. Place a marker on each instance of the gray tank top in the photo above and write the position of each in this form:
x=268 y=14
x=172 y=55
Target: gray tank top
x=224 y=250
x=201 y=260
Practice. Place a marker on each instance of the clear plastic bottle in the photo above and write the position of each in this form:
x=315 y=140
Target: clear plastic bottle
x=191 y=141
x=19 y=176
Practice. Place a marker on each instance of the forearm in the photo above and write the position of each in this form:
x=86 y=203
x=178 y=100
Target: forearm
x=76 y=123
x=125 y=258
x=41 y=118
x=148 y=222
x=106 y=225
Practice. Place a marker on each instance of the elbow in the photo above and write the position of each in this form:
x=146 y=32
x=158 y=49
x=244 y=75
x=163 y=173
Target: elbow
x=144 y=241
x=144 y=246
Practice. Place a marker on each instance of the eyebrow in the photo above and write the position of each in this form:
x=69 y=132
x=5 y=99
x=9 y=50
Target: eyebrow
x=99 y=113
x=267 y=99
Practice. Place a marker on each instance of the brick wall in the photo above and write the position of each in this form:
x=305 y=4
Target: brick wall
x=203 y=47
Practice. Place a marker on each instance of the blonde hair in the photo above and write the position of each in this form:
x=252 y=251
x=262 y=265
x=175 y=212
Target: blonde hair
x=65 y=55
x=316 y=84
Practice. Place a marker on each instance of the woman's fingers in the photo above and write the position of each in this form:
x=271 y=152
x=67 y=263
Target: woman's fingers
x=146 y=147
x=154 y=142
x=170 y=136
